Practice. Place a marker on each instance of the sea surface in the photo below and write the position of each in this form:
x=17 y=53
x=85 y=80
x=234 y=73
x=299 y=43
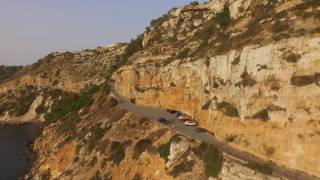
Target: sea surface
x=15 y=149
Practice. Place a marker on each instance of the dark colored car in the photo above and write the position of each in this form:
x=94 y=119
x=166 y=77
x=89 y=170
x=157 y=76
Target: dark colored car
x=163 y=121
x=177 y=114
x=171 y=111
x=200 y=130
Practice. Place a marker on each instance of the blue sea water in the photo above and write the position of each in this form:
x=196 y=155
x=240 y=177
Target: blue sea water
x=14 y=139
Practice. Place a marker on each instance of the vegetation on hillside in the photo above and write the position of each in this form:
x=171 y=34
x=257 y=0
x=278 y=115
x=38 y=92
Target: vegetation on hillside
x=212 y=158
x=8 y=71
x=70 y=104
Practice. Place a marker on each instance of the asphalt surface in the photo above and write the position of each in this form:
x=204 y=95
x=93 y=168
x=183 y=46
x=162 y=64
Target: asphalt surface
x=154 y=113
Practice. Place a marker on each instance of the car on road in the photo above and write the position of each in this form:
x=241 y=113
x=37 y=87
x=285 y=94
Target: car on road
x=190 y=123
x=178 y=114
x=184 y=119
x=200 y=130
x=163 y=121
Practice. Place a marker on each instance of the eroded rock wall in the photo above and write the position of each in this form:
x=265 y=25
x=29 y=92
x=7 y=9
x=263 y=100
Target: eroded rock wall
x=267 y=97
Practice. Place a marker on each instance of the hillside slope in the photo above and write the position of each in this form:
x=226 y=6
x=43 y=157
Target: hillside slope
x=36 y=89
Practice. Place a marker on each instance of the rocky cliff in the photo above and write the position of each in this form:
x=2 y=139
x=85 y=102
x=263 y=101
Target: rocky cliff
x=246 y=70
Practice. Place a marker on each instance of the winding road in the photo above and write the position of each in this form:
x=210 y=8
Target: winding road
x=154 y=114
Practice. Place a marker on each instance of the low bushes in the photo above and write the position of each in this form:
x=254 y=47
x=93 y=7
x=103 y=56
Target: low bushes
x=97 y=134
x=140 y=147
x=182 y=168
x=164 y=150
x=305 y=80
x=69 y=123
x=231 y=138
x=212 y=158
x=117 y=152
x=262 y=168
x=206 y=106
x=223 y=18
x=159 y=21
x=247 y=80
x=24 y=102
x=70 y=104
x=263 y=115
x=228 y=109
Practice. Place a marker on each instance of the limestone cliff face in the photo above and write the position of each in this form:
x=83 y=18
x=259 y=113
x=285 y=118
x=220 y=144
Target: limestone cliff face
x=254 y=82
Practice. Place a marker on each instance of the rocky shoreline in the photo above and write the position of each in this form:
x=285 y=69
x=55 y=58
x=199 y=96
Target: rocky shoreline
x=21 y=123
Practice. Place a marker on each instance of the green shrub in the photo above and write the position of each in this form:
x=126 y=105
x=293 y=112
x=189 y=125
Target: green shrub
x=97 y=176
x=303 y=80
x=228 y=109
x=134 y=46
x=183 y=54
x=140 y=147
x=78 y=148
x=164 y=150
x=247 y=80
x=279 y=27
x=97 y=134
x=206 y=106
x=223 y=18
x=159 y=21
x=212 y=158
x=269 y=151
x=182 y=168
x=194 y=3
x=25 y=101
x=118 y=151
x=253 y=26
x=70 y=104
x=209 y=28
x=230 y=138
x=41 y=108
x=46 y=175
x=263 y=115
x=7 y=72
x=262 y=168
x=137 y=177
x=69 y=123
x=236 y=61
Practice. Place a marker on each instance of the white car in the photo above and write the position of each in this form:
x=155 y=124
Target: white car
x=183 y=117
x=190 y=123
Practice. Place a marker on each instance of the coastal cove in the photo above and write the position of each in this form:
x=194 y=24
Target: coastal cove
x=16 y=154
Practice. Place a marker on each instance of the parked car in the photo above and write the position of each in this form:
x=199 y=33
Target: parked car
x=177 y=114
x=190 y=123
x=200 y=130
x=163 y=121
x=184 y=119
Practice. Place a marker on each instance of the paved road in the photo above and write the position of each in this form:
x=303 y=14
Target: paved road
x=154 y=114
